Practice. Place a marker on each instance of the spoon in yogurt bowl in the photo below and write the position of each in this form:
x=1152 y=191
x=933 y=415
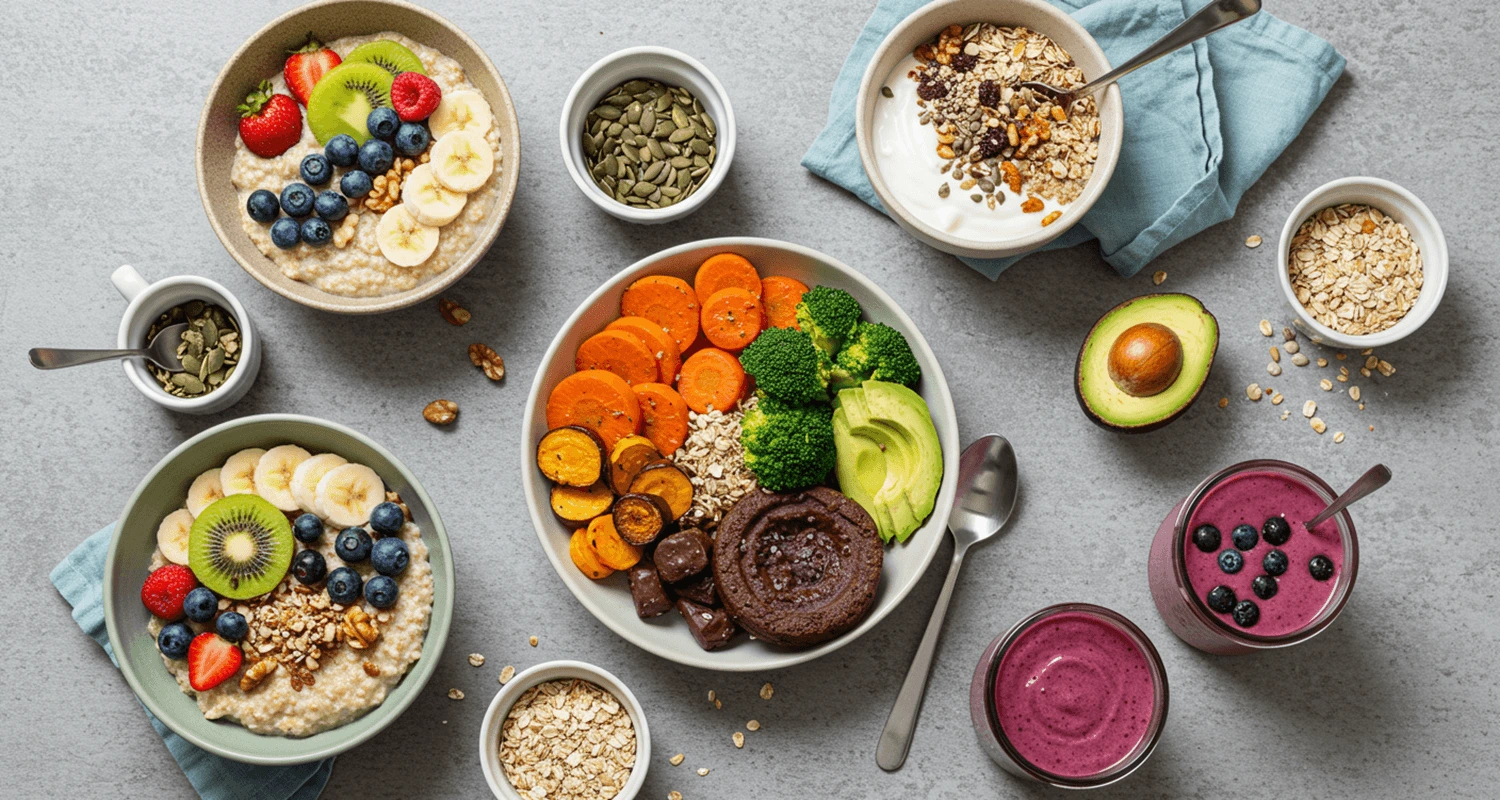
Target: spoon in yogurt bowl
x=1217 y=15
x=161 y=351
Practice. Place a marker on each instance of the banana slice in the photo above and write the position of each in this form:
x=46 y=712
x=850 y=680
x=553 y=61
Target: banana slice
x=305 y=479
x=426 y=199
x=462 y=161
x=273 y=475
x=348 y=494
x=204 y=491
x=461 y=111
x=403 y=240
x=172 y=535
x=237 y=476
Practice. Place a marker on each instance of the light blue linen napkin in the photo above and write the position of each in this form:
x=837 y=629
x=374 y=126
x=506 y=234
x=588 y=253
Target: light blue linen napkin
x=1201 y=124
x=80 y=580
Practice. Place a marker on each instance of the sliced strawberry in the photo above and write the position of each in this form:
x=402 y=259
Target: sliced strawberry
x=269 y=123
x=212 y=659
x=165 y=589
x=306 y=66
x=414 y=96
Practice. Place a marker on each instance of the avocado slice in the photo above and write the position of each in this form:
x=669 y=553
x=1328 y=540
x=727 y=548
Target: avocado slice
x=889 y=458
x=1145 y=361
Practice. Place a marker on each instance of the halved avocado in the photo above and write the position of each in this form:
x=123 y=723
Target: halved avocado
x=1145 y=362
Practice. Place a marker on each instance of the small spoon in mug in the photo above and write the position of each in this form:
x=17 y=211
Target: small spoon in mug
x=162 y=351
x=987 y=487
x=1374 y=478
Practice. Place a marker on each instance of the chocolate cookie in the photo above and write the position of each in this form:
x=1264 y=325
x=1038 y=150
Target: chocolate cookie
x=797 y=568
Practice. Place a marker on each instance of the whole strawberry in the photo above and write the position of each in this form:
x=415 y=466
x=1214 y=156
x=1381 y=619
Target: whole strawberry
x=306 y=66
x=269 y=123
x=166 y=589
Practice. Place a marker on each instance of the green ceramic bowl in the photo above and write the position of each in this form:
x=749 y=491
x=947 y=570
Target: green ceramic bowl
x=129 y=561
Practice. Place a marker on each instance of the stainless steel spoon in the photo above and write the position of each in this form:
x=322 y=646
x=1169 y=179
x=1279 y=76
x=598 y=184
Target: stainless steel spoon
x=162 y=351
x=987 y=486
x=1374 y=478
x=1216 y=15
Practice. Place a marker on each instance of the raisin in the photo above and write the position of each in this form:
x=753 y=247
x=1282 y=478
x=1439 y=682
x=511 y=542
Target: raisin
x=963 y=62
x=989 y=94
x=992 y=143
x=931 y=89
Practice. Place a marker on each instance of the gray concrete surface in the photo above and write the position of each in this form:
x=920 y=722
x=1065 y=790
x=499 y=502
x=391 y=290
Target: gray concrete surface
x=1399 y=699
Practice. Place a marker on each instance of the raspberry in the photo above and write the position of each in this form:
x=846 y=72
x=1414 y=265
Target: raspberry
x=414 y=96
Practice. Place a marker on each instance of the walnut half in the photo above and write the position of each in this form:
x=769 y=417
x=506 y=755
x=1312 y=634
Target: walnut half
x=257 y=673
x=484 y=357
x=440 y=412
x=359 y=630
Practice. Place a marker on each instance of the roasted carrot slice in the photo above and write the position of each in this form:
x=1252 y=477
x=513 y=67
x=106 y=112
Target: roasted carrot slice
x=669 y=302
x=668 y=357
x=711 y=378
x=613 y=552
x=598 y=400
x=725 y=271
x=664 y=416
x=585 y=558
x=780 y=295
x=731 y=318
x=620 y=352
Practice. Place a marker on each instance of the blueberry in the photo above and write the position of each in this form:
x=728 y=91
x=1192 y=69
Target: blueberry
x=315 y=169
x=1244 y=536
x=331 y=206
x=297 y=199
x=1274 y=563
x=342 y=150
x=387 y=519
x=1320 y=567
x=1246 y=613
x=390 y=556
x=309 y=567
x=285 y=233
x=382 y=123
x=1207 y=538
x=1231 y=561
x=412 y=139
x=353 y=545
x=345 y=586
x=201 y=604
x=232 y=626
x=1221 y=599
x=375 y=156
x=1264 y=587
x=1276 y=531
x=308 y=528
x=381 y=591
x=174 y=639
x=356 y=183
x=263 y=206
x=316 y=231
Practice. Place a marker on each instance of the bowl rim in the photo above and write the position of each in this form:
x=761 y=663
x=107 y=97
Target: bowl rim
x=726 y=135
x=505 y=117
x=1434 y=261
x=948 y=435
x=1109 y=102
x=233 y=389
x=561 y=669
x=391 y=709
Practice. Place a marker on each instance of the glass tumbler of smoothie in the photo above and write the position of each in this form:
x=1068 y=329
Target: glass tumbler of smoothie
x=1073 y=696
x=1235 y=569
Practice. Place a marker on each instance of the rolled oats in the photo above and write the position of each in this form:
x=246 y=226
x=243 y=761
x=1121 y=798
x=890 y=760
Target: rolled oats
x=506 y=673
x=568 y=739
x=476 y=660
x=752 y=725
x=1355 y=269
x=455 y=694
x=767 y=691
x=677 y=759
x=715 y=464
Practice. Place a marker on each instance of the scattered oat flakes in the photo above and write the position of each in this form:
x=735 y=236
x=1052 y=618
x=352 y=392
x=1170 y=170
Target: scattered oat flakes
x=1309 y=408
x=1318 y=425
x=476 y=660
x=1338 y=438
x=1326 y=385
x=1353 y=392
x=674 y=795
x=752 y=725
x=1265 y=327
x=1159 y=277
x=1273 y=368
x=1386 y=369
x=1277 y=398
x=1223 y=402
x=1289 y=335
x=702 y=771
x=718 y=704
x=715 y=463
x=1341 y=356
x=1365 y=372
x=506 y=673
x=1372 y=362
x=1322 y=362
x=455 y=694
x=1299 y=359
x=1253 y=391
x=1285 y=415
x=533 y=641
x=677 y=759
x=766 y=692
x=739 y=739
x=712 y=695
x=1275 y=354
x=1372 y=428
x=1253 y=241
x=1367 y=351
x=1291 y=346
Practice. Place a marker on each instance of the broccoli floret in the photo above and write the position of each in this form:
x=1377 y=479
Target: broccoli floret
x=788 y=366
x=875 y=352
x=788 y=446
x=829 y=316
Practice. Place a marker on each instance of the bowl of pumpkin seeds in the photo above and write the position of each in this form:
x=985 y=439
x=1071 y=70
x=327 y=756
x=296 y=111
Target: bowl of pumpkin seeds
x=648 y=134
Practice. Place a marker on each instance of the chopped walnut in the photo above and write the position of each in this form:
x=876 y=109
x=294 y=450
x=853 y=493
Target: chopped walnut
x=440 y=412
x=484 y=357
x=454 y=313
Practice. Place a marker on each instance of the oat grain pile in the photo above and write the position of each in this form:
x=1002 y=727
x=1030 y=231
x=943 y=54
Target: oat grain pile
x=716 y=464
x=567 y=739
x=1355 y=269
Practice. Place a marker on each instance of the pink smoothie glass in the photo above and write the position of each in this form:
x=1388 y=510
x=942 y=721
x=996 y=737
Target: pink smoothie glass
x=1182 y=574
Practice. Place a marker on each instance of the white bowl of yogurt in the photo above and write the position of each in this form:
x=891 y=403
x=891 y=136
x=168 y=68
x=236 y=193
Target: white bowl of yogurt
x=976 y=211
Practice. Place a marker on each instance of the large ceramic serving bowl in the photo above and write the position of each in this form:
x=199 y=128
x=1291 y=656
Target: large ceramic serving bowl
x=264 y=54
x=924 y=24
x=609 y=599
x=129 y=562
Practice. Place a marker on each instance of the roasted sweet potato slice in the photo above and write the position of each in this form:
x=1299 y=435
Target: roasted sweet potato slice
x=640 y=518
x=667 y=481
x=629 y=456
x=575 y=505
x=584 y=558
x=572 y=456
x=613 y=551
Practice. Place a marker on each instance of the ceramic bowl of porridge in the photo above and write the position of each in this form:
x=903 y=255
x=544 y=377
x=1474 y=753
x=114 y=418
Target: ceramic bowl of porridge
x=959 y=153
x=259 y=630
x=358 y=156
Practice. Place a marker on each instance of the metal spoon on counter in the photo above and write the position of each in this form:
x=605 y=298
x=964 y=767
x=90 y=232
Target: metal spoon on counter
x=162 y=351
x=987 y=487
x=1374 y=478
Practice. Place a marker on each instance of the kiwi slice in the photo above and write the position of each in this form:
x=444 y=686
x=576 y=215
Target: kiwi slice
x=343 y=99
x=240 y=546
x=387 y=55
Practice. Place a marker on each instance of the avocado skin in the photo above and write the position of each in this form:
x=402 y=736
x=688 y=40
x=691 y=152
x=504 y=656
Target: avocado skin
x=1101 y=421
x=890 y=424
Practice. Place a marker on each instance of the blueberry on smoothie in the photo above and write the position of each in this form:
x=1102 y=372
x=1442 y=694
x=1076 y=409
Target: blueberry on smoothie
x=345 y=586
x=285 y=233
x=1207 y=538
x=1246 y=613
x=263 y=205
x=1244 y=536
x=174 y=639
x=1231 y=561
x=308 y=528
x=353 y=545
x=342 y=150
x=1264 y=587
x=1274 y=563
x=1221 y=599
x=1320 y=567
x=1276 y=531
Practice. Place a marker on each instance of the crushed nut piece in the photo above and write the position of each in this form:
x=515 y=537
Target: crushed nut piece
x=440 y=412
x=257 y=673
x=1053 y=217
x=476 y=660
x=371 y=670
x=454 y=313
x=484 y=357
x=1223 y=402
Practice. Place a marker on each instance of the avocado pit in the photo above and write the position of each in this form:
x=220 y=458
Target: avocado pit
x=1145 y=359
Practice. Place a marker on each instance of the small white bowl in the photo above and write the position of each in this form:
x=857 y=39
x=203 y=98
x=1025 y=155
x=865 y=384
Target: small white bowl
x=1402 y=206
x=669 y=67
x=494 y=720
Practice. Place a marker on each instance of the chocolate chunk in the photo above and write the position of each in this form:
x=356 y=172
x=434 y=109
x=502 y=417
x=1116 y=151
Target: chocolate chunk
x=646 y=590
x=683 y=555
x=699 y=589
x=710 y=626
x=989 y=94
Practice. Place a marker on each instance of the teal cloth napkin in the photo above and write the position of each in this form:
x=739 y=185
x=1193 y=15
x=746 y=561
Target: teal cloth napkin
x=80 y=580
x=1201 y=124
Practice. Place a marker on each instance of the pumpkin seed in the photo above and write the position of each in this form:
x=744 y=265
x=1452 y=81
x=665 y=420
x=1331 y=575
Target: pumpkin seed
x=648 y=118
x=645 y=144
x=680 y=135
x=633 y=113
x=653 y=172
x=699 y=146
x=190 y=362
x=608 y=111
